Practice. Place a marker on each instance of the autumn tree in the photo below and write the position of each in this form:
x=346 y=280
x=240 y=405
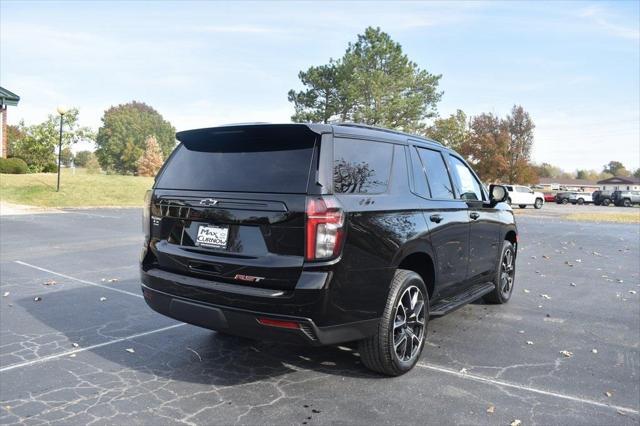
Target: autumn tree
x=452 y=131
x=151 y=160
x=122 y=137
x=373 y=83
x=486 y=147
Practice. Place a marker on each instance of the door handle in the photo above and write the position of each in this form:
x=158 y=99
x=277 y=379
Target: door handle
x=474 y=215
x=435 y=218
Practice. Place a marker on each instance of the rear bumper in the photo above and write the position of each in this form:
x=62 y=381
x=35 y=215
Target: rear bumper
x=167 y=297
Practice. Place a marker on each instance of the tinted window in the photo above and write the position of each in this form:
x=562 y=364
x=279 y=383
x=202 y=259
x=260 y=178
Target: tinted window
x=437 y=175
x=466 y=184
x=361 y=166
x=419 y=178
x=260 y=159
x=523 y=189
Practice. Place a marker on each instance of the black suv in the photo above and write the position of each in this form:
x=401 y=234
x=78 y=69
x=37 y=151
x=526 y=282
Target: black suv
x=322 y=234
x=601 y=198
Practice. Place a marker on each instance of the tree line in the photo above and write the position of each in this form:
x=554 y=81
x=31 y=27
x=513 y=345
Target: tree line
x=373 y=83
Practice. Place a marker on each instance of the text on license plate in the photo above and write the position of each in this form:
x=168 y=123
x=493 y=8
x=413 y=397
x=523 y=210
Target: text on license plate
x=212 y=236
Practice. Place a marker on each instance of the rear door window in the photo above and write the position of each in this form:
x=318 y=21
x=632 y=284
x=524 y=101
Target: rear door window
x=437 y=174
x=250 y=159
x=360 y=166
x=419 y=175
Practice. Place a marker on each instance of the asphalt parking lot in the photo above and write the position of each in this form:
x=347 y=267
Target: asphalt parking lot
x=78 y=345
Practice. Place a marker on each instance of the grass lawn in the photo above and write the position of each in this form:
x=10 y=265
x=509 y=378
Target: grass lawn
x=632 y=216
x=79 y=190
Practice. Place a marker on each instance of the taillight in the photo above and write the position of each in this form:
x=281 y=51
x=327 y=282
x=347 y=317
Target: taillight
x=146 y=215
x=325 y=232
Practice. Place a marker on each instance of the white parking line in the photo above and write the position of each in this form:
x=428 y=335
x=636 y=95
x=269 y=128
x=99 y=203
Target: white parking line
x=502 y=383
x=19 y=262
x=88 y=348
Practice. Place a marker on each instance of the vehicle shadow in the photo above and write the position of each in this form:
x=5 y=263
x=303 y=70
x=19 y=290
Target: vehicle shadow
x=185 y=353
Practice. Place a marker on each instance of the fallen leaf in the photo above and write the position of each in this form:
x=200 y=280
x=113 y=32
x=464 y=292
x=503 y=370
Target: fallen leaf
x=566 y=354
x=595 y=351
x=620 y=281
x=572 y=284
x=491 y=409
x=539 y=306
x=608 y=394
x=579 y=260
x=50 y=282
x=113 y=280
x=130 y=350
x=533 y=257
x=103 y=279
x=6 y=293
x=544 y=256
x=37 y=299
x=632 y=292
x=595 y=253
x=516 y=422
x=102 y=299
x=72 y=356
x=521 y=332
x=545 y=296
x=526 y=291
x=529 y=342
x=75 y=345
x=463 y=371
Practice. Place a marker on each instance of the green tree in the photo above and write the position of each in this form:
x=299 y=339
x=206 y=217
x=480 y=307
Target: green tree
x=615 y=168
x=121 y=139
x=546 y=170
x=452 y=131
x=637 y=173
x=82 y=157
x=39 y=142
x=373 y=83
x=520 y=128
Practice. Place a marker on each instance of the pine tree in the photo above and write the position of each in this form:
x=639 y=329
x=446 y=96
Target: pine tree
x=151 y=160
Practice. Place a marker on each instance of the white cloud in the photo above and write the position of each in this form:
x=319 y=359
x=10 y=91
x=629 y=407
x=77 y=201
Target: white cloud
x=603 y=19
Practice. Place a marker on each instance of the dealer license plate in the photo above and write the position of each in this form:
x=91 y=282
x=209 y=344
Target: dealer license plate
x=212 y=236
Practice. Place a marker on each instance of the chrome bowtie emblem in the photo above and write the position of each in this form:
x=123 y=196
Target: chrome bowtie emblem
x=208 y=202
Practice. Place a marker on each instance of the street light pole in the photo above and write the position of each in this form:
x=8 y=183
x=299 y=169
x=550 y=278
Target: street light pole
x=62 y=111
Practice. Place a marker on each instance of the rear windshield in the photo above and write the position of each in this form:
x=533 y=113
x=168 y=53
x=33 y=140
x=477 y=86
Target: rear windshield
x=249 y=159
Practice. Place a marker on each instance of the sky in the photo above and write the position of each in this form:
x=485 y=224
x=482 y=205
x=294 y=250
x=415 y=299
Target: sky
x=575 y=66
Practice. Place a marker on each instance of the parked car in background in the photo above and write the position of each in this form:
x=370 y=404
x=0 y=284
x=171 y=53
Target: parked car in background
x=321 y=234
x=523 y=196
x=563 y=197
x=580 y=198
x=601 y=198
x=625 y=198
x=549 y=197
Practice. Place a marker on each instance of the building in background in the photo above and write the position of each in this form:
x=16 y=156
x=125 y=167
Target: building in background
x=557 y=184
x=7 y=98
x=621 y=183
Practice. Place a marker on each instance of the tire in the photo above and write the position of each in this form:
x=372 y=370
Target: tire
x=500 y=295
x=538 y=204
x=606 y=202
x=565 y=201
x=378 y=352
x=581 y=201
x=626 y=202
x=598 y=203
x=522 y=206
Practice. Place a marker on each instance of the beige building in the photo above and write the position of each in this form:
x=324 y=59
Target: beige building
x=621 y=183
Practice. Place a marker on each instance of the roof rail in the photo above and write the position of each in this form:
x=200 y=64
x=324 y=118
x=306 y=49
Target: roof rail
x=382 y=129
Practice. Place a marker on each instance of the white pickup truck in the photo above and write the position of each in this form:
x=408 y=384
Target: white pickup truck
x=580 y=198
x=523 y=196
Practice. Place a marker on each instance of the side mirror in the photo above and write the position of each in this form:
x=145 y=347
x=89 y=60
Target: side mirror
x=497 y=194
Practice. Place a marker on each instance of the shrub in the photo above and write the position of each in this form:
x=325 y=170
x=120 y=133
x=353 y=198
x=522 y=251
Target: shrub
x=15 y=166
x=50 y=168
x=82 y=157
x=92 y=164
